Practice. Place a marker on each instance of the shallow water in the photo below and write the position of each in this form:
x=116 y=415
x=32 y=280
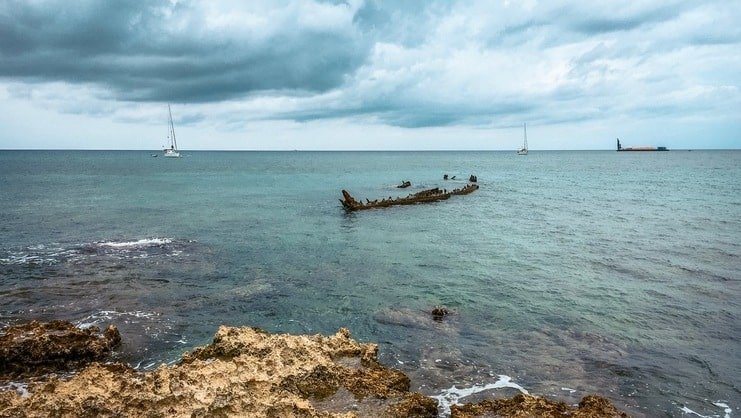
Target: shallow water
x=570 y=272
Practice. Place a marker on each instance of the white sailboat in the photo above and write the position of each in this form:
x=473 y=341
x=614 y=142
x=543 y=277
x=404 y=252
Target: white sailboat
x=171 y=152
x=523 y=150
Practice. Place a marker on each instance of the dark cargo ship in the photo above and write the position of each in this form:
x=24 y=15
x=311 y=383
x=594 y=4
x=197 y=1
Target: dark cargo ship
x=620 y=148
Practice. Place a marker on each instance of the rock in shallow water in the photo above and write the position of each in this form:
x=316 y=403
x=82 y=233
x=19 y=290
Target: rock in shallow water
x=37 y=348
x=533 y=406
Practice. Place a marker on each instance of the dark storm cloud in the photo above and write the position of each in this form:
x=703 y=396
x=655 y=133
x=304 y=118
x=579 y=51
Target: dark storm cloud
x=432 y=115
x=158 y=51
x=613 y=22
x=564 y=23
x=415 y=114
x=411 y=64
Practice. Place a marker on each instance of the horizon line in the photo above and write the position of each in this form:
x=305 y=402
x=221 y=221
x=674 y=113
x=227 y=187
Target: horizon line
x=349 y=150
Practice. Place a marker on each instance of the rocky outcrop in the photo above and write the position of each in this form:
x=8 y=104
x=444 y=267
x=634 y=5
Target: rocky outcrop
x=248 y=372
x=524 y=406
x=243 y=372
x=37 y=348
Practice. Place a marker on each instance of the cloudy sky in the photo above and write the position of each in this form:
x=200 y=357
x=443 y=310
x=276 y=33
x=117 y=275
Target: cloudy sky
x=98 y=74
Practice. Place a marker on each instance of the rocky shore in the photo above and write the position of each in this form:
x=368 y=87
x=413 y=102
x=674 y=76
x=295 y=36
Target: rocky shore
x=243 y=372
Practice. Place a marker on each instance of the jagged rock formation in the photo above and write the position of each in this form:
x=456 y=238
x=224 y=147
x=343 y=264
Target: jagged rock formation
x=525 y=406
x=37 y=348
x=247 y=372
x=244 y=372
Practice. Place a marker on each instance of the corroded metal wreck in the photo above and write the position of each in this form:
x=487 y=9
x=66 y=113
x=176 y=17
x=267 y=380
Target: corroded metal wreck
x=425 y=196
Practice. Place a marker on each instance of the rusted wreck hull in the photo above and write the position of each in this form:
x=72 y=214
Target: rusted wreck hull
x=465 y=190
x=351 y=204
x=425 y=196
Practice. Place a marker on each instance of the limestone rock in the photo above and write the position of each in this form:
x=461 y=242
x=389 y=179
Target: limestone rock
x=244 y=372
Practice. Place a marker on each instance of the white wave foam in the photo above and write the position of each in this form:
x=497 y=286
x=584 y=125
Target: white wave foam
x=37 y=254
x=102 y=316
x=45 y=254
x=145 y=242
x=20 y=259
x=686 y=410
x=20 y=388
x=451 y=396
x=726 y=409
x=569 y=390
x=150 y=365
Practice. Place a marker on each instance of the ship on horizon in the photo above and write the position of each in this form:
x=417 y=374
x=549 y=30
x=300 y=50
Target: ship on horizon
x=645 y=148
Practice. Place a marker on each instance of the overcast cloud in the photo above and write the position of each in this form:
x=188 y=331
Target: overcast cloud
x=404 y=70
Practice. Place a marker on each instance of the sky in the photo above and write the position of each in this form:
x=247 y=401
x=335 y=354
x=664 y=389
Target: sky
x=369 y=75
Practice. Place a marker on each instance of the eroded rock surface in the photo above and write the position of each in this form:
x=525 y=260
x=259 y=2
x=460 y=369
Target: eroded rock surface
x=37 y=348
x=523 y=406
x=244 y=372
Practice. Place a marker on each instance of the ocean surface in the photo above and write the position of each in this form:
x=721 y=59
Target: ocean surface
x=568 y=273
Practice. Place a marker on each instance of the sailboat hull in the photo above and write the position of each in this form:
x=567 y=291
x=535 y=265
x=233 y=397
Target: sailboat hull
x=172 y=154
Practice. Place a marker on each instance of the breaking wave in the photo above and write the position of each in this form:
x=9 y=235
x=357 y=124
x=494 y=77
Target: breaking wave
x=452 y=395
x=54 y=253
x=140 y=243
x=107 y=316
x=722 y=405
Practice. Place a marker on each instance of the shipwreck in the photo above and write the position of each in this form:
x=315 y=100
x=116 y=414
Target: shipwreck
x=425 y=196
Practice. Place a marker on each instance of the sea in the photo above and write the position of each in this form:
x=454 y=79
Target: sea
x=567 y=273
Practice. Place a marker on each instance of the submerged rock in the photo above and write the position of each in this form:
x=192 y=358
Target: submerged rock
x=37 y=348
x=522 y=405
x=439 y=312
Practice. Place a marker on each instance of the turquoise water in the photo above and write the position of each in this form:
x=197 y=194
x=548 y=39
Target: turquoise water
x=570 y=272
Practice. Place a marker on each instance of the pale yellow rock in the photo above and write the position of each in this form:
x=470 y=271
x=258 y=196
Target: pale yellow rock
x=244 y=372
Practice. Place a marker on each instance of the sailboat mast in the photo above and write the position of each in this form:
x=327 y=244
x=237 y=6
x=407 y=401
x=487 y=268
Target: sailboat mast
x=172 y=129
x=524 y=125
